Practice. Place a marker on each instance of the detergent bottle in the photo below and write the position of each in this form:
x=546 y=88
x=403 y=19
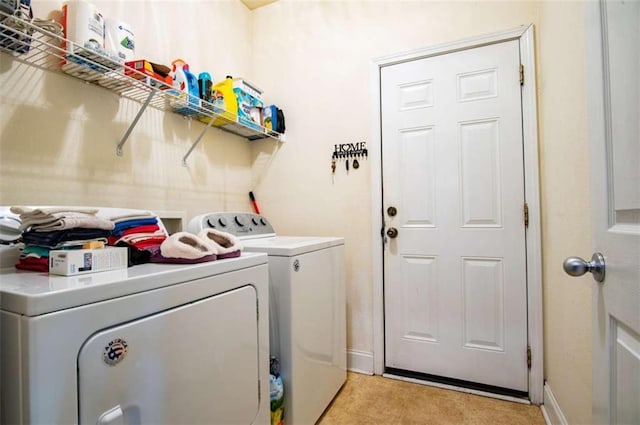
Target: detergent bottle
x=184 y=94
x=225 y=104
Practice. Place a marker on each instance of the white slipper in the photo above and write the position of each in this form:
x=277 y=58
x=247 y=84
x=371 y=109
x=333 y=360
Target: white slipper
x=224 y=243
x=186 y=245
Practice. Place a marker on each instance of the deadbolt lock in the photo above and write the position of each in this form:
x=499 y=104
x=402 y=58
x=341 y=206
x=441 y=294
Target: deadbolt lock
x=392 y=211
x=392 y=232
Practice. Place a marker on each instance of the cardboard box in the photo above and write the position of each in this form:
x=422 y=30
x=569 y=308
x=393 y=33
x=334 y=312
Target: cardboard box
x=144 y=71
x=79 y=261
x=248 y=88
x=270 y=118
x=249 y=109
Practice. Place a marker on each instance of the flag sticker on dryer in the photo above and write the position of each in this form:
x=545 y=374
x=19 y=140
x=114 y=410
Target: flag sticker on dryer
x=114 y=352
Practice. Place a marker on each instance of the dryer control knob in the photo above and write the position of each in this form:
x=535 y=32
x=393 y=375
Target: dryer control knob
x=263 y=221
x=255 y=221
x=211 y=223
x=222 y=221
x=239 y=221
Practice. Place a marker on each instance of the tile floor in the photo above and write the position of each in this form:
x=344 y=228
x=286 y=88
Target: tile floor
x=374 y=400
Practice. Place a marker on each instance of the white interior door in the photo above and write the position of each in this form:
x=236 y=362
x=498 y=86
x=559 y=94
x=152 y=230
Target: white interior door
x=613 y=31
x=452 y=164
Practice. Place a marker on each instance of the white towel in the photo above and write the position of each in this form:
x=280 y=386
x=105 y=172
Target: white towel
x=63 y=223
x=133 y=216
x=65 y=220
x=28 y=211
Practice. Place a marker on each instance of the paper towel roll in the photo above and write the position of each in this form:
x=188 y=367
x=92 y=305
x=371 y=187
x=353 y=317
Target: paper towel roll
x=83 y=23
x=119 y=39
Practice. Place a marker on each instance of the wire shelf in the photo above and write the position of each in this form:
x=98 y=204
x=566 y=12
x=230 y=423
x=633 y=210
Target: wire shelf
x=34 y=44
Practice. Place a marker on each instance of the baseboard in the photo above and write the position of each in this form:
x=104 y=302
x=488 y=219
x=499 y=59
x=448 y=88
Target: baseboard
x=551 y=409
x=360 y=361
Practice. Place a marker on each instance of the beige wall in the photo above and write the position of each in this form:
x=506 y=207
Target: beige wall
x=566 y=207
x=312 y=58
x=59 y=135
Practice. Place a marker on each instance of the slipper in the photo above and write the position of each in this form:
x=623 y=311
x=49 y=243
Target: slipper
x=187 y=246
x=156 y=257
x=226 y=244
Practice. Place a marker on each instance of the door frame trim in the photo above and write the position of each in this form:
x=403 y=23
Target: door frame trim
x=525 y=35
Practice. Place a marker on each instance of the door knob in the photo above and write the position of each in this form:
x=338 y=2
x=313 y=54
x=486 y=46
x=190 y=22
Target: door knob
x=392 y=211
x=576 y=266
x=392 y=232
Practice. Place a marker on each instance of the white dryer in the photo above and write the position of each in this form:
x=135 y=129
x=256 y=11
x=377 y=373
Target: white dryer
x=151 y=344
x=307 y=309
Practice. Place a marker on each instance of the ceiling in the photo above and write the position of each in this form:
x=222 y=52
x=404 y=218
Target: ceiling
x=254 y=4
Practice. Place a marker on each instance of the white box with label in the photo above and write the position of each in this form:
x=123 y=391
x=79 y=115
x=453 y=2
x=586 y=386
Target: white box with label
x=79 y=261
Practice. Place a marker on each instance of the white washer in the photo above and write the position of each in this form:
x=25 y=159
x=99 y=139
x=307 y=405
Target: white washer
x=307 y=309
x=153 y=344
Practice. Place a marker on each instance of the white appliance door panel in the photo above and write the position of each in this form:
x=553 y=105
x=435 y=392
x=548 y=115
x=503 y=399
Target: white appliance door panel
x=314 y=366
x=195 y=364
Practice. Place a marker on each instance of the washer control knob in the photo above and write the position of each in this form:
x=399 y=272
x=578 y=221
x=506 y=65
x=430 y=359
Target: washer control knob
x=255 y=221
x=239 y=220
x=263 y=221
x=222 y=221
x=211 y=222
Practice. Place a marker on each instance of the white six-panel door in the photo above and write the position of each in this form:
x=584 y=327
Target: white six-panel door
x=452 y=164
x=613 y=35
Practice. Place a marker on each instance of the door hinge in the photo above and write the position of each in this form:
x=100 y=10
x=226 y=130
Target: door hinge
x=521 y=74
x=525 y=214
x=528 y=357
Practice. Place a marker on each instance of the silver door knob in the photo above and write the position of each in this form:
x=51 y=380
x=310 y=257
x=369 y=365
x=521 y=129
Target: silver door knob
x=576 y=266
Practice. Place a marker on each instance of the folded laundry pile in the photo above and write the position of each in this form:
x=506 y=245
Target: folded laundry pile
x=140 y=230
x=48 y=228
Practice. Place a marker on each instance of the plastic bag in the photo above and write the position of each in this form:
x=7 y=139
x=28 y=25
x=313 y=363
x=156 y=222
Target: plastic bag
x=276 y=392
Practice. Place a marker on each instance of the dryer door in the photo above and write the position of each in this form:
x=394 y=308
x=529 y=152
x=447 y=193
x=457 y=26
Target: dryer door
x=193 y=364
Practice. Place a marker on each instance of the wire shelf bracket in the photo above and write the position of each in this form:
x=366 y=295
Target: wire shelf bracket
x=134 y=123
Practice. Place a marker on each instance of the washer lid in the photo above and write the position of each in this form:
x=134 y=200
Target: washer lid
x=33 y=293
x=288 y=246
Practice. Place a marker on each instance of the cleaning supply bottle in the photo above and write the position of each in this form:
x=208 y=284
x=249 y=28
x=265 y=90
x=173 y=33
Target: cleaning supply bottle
x=225 y=104
x=184 y=94
x=204 y=86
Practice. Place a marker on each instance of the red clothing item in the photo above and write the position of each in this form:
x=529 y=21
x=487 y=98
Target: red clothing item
x=146 y=243
x=149 y=228
x=34 y=264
